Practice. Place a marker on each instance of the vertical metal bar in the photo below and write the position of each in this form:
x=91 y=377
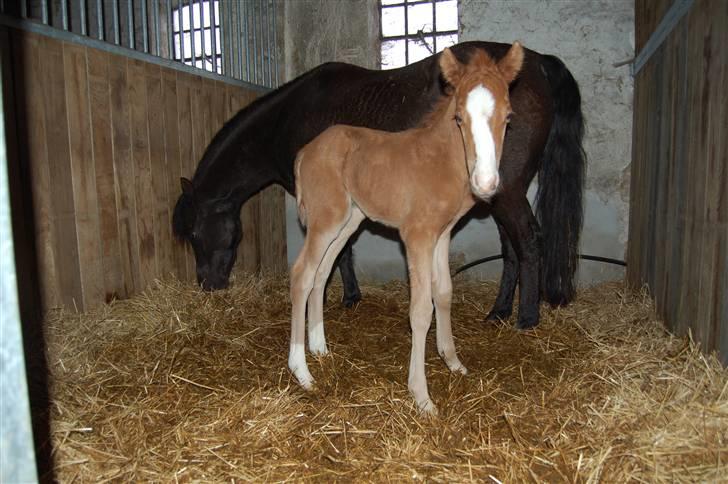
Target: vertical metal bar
x=44 y=11
x=130 y=23
x=255 y=46
x=266 y=18
x=406 y=39
x=117 y=22
x=155 y=16
x=275 y=45
x=170 y=27
x=227 y=39
x=213 y=35
x=82 y=15
x=434 y=28
x=261 y=43
x=202 y=33
x=64 y=14
x=243 y=36
x=191 y=10
x=23 y=8
x=145 y=30
x=181 y=31
x=100 y=19
x=224 y=34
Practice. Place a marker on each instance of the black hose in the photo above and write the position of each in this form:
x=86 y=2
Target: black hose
x=595 y=258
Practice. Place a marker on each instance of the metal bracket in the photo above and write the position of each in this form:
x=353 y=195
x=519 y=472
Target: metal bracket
x=668 y=22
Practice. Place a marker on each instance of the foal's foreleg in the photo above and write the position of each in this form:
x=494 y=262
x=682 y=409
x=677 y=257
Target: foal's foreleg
x=442 y=296
x=419 y=261
x=316 y=336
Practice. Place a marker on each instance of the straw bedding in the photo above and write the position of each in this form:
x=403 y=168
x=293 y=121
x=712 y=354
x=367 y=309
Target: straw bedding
x=180 y=385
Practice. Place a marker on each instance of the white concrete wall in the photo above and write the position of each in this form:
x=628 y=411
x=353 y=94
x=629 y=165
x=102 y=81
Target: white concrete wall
x=589 y=36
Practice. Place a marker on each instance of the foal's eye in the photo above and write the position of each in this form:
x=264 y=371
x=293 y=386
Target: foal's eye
x=509 y=116
x=458 y=119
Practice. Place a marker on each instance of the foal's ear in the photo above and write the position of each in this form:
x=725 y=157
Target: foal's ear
x=452 y=69
x=186 y=186
x=511 y=63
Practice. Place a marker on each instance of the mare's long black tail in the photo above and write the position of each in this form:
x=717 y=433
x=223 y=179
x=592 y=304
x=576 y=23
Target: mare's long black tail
x=559 y=201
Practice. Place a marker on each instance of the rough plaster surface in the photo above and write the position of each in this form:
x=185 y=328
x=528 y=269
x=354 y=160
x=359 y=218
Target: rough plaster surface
x=589 y=36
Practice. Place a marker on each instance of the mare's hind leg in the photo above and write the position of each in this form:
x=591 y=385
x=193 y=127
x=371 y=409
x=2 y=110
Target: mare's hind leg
x=442 y=296
x=316 y=336
x=503 y=306
x=515 y=214
x=352 y=294
x=319 y=236
x=420 y=248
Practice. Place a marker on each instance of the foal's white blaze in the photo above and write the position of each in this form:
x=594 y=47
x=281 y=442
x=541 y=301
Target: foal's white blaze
x=480 y=105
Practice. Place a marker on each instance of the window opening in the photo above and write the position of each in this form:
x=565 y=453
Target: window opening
x=414 y=29
x=197 y=42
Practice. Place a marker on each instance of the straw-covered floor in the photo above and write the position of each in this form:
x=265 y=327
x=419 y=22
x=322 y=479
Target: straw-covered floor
x=181 y=385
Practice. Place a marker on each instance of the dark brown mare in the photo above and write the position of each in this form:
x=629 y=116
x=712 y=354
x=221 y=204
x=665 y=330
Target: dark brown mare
x=258 y=145
x=420 y=181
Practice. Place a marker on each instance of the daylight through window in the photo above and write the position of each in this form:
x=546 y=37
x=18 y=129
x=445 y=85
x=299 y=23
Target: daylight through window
x=194 y=43
x=415 y=29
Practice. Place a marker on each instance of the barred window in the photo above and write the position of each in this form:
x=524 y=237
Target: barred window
x=197 y=41
x=414 y=29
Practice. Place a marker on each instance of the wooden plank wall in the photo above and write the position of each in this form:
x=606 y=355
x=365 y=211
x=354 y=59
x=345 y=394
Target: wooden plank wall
x=678 y=242
x=103 y=140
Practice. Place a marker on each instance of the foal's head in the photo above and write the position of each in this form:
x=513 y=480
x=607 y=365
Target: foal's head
x=482 y=110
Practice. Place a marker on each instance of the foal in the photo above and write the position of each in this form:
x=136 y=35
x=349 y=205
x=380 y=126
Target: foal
x=421 y=181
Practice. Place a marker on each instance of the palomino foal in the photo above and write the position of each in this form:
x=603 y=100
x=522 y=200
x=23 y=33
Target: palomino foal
x=421 y=181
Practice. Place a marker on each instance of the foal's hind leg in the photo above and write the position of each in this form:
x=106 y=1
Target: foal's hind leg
x=316 y=336
x=318 y=238
x=442 y=295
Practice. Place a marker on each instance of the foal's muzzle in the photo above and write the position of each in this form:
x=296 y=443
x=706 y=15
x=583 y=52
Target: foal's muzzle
x=484 y=187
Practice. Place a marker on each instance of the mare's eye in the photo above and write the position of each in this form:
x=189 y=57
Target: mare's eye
x=458 y=119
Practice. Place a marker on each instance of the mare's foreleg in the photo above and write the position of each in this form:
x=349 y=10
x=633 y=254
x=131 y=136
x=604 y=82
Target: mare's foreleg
x=503 y=306
x=515 y=214
x=316 y=335
x=419 y=249
x=352 y=294
x=442 y=296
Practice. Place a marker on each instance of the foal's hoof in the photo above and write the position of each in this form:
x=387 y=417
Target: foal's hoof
x=318 y=350
x=304 y=378
x=527 y=322
x=460 y=368
x=350 y=300
x=427 y=408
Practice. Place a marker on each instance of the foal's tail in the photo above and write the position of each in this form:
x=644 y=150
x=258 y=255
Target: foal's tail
x=561 y=186
x=299 y=192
